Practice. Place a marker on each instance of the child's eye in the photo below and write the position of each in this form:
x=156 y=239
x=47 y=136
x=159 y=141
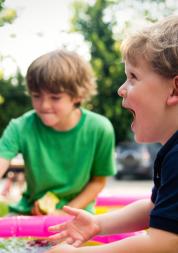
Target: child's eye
x=55 y=98
x=133 y=76
x=35 y=95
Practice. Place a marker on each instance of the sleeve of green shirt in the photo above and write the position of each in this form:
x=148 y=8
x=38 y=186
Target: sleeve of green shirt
x=104 y=160
x=9 y=142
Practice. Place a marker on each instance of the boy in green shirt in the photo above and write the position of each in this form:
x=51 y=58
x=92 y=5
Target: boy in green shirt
x=67 y=150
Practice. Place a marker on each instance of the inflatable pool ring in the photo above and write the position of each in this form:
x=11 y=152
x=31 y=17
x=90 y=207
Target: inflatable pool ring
x=118 y=200
x=37 y=226
x=106 y=203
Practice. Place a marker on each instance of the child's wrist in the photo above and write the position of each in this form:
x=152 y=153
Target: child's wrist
x=97 y=228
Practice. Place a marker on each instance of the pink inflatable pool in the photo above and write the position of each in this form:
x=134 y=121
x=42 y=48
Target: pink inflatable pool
x=118 y=200
x=37 y=226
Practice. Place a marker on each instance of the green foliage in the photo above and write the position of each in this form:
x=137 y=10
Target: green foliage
x=1 y=4
x=13 y=99
x=7 y=15
x=106 y=62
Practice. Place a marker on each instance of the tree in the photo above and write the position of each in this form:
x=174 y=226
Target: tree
x=1 y=4
x=7 y=15
x=13 y=98
x=106 y=62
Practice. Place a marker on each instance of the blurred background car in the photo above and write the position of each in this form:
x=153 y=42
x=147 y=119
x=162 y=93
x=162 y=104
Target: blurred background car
x=135 y=160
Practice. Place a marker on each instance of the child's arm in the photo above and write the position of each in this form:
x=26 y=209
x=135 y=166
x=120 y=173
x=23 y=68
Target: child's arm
x=84 y=225
x=130 y=218
x=155 y=241
x=82 y=228
x=4 y=165
x=90 y=192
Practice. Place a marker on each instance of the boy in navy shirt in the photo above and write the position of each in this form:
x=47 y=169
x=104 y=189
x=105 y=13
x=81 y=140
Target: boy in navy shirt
x=151 y=94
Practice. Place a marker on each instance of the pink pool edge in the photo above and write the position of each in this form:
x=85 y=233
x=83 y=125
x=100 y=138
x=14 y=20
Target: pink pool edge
x=37 y=226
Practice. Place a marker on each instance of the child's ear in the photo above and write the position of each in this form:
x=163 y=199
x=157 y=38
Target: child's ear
x=77 y=100
x=173 y=97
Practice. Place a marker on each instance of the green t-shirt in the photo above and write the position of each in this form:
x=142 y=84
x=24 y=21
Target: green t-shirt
x=59 y=162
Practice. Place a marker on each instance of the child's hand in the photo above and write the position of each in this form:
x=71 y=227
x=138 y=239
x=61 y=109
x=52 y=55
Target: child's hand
x=36 y=209
x=77 y=230
x=62 y=248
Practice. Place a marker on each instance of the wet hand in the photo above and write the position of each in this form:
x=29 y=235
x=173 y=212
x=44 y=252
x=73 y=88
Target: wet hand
x=76 y=231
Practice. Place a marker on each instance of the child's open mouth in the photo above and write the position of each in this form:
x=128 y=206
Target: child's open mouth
x=131 y=111
x=133 y=115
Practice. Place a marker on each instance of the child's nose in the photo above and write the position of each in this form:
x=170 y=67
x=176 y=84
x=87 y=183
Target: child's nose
x=122 y=92
x=45 y=104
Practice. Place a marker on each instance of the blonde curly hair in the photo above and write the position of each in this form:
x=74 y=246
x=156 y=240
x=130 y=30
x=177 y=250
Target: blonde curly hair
x=157 y=44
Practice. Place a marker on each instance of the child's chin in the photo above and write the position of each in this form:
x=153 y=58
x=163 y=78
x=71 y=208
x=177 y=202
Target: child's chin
x=138 y=138
x=47 y=123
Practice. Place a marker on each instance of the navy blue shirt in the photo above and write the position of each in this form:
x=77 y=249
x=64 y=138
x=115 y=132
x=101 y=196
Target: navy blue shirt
x=164 y=215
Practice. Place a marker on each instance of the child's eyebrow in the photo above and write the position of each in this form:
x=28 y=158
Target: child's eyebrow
x=34 y=92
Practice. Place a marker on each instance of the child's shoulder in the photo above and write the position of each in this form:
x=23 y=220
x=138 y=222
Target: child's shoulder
x=95 y=115
x=96 y=119
x=26 y=119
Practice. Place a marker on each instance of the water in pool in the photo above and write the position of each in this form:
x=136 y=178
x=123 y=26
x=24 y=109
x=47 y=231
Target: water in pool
x=22 y=245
